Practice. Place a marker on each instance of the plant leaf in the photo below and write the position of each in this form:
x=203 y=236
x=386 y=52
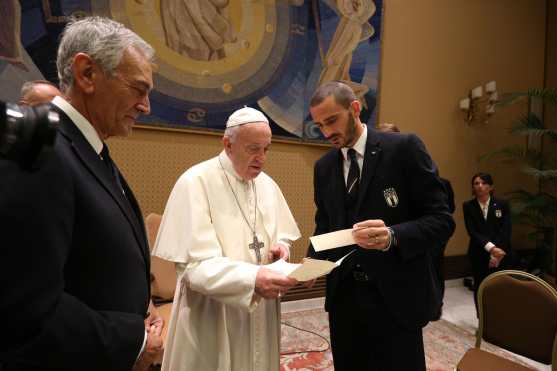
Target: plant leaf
x=512 y=153
x=547 y=95
x=532 y=125
x=540 y=174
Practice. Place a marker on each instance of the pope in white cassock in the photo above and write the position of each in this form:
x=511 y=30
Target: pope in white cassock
x=225 y=219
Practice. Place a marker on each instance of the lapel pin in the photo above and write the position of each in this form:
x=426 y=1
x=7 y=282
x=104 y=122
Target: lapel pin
x=391 y=197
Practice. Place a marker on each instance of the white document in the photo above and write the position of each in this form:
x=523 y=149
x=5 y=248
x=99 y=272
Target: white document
x=308 y=270
x=311 y=269
x=332 y=240
x=282 y=266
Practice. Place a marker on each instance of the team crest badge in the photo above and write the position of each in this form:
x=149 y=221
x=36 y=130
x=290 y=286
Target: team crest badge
x=498 y=213
x=391 y=197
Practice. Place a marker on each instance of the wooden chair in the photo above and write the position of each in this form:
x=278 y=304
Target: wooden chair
x=518 y=312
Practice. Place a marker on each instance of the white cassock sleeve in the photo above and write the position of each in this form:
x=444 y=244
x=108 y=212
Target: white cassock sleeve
x=277 y=216
x=187 y=235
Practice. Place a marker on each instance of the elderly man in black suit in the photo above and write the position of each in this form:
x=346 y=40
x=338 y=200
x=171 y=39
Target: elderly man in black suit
x=384 y=186
x=75 y=275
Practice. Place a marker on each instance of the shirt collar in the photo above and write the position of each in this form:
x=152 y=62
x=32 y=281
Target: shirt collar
x=81 y=122
x=486 y=203
x=359 y=146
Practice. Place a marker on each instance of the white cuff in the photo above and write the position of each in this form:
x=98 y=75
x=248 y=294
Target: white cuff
x=488 y=246
x=286 y=243
x=142 y=346
x=392 y=240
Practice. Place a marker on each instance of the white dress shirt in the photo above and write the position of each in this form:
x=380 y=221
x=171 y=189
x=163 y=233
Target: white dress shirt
x=81 y=122
x=485 y=209
x=360 y=148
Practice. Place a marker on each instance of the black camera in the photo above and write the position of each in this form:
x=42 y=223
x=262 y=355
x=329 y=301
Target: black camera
x=25 y=132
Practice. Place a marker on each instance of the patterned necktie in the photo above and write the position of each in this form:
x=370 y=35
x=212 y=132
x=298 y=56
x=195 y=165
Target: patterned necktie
x=353 y=181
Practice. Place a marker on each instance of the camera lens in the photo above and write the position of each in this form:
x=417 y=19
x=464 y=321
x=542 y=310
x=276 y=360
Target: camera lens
x=25 y=131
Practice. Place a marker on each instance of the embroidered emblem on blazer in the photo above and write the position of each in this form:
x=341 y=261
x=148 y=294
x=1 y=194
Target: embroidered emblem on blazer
x=391 y=197
x=498 y=213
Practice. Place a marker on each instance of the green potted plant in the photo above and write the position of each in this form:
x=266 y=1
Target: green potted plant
x=536 y=208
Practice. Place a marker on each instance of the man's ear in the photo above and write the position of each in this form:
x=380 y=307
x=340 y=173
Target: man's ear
x=227 y=144
x=85 y=72
x=356 y=107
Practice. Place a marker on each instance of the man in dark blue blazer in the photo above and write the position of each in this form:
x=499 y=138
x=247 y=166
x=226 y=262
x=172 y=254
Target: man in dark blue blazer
x=75 y=275
x=437 y=255
x=385 y=187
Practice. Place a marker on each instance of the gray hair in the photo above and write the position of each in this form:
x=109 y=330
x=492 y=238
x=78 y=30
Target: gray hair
x=232 y=133
x=343 y=94
x=28 y=86
x=102 y=39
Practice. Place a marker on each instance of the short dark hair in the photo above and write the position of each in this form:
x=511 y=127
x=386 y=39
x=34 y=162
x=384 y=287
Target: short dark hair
x=343 y=94
x=483 y=176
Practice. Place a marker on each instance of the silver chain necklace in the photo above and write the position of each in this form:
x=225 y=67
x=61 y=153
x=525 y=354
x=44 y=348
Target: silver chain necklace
x=255 y=245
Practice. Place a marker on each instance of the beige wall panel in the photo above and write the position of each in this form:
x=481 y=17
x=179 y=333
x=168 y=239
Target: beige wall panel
x=435 y=51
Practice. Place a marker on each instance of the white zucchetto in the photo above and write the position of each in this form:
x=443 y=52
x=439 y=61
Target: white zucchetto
x=245 y=115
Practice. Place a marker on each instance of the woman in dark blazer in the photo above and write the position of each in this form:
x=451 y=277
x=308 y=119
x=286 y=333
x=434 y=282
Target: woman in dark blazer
x=488 y=222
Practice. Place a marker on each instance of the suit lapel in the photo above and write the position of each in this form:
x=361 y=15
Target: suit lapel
x=93 y=163
x=491 y=210
x=371 y=159
x=480 y=214
x=134 y=215
x=478 y=211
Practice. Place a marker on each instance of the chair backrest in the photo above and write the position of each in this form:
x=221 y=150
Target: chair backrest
x=163 y=272
x=518 y=312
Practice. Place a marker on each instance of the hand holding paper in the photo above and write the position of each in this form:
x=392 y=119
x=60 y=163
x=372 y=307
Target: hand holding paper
x=369 y=234
x=308 y=270
x=269 y=283
x=278 y=251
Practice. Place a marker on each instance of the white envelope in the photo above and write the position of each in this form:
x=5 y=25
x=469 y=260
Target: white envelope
x=332 y=240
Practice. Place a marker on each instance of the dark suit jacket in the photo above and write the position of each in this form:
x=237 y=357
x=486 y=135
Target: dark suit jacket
x=75 y=263
x=497 y=229
x=404 y=275
x=450 y=194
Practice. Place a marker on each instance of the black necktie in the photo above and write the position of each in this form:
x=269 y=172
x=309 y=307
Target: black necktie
x=353 y=181
x=113 y=170
x=105 y=155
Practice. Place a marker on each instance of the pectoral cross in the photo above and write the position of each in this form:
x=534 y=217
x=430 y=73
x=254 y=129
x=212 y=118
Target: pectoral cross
x=256 y=246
